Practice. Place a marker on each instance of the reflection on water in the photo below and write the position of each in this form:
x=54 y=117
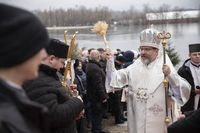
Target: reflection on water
x=126 y=38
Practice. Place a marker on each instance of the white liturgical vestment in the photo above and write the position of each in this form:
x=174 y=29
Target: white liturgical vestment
x=146 y=93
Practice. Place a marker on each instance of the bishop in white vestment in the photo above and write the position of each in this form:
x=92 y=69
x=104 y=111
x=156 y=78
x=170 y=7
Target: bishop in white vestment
x=146 y=93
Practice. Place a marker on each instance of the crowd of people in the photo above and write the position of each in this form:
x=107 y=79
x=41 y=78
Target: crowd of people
x=33 y=98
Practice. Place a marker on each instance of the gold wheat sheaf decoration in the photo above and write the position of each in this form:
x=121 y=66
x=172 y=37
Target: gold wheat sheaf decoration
x=101 y=28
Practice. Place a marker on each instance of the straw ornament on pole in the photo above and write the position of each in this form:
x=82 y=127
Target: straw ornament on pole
x=101 y=28
x=65 y=36
x=68 y=69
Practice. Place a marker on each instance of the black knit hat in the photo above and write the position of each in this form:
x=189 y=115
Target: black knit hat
x=129 y=55
x=57 y=48
x=21 y=36
x=120 y=58
x=194 y=47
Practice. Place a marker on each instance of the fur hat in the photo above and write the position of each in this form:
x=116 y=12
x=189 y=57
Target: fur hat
x=22 y=36
x=57 y=48
x=148 y=37
x=194 y=47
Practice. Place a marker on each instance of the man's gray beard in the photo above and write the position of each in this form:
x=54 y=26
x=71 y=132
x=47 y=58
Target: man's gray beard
x=146 y=61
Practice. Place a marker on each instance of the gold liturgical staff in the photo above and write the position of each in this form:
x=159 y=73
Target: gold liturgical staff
x=164 y=37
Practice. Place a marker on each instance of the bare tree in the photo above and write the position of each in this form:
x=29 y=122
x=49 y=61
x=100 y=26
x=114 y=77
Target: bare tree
x=81 y=15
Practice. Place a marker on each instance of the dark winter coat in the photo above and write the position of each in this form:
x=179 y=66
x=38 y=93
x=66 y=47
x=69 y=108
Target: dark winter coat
x=185 y=72
x=48 y=90
x=95 y=82
x=18 y=114
x=81 y=82
x=188 y=125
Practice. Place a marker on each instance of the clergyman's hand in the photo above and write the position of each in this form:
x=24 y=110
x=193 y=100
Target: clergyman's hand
x=166 y=70
x=108 y=53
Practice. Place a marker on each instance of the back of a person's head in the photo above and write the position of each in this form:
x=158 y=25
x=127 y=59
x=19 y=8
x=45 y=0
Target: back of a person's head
x=57 y=48
x=120 y=58
x=129 y=55
x=101 y=50
x=94 y=55
x=22 y=36
x=89 y=50
x=119 y=50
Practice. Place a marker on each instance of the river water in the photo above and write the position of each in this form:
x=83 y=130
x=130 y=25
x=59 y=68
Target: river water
x=127 y=37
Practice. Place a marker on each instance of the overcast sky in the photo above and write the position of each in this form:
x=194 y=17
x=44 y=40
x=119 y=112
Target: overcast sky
x=112 y=4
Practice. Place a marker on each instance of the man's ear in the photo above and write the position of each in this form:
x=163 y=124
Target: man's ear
x=51 y=59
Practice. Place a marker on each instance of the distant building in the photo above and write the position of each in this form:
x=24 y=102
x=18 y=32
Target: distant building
x=174 y=16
